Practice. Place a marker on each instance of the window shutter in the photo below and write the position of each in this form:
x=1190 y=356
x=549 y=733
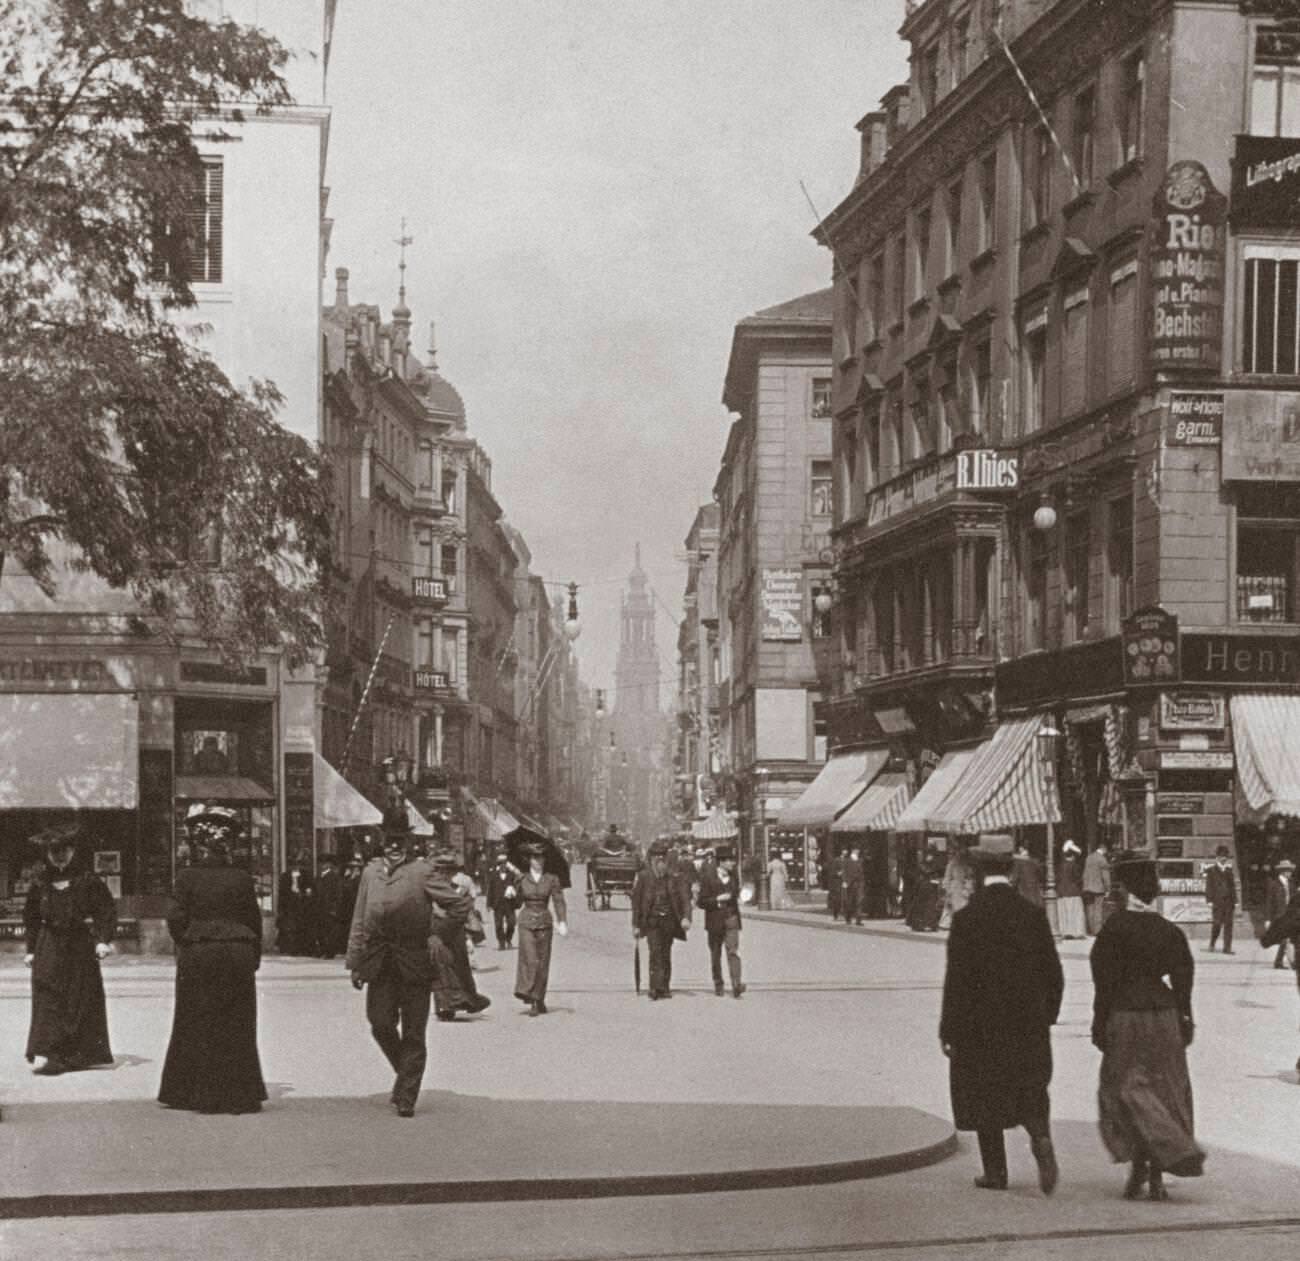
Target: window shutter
x=205 y=225
x=1123 y=328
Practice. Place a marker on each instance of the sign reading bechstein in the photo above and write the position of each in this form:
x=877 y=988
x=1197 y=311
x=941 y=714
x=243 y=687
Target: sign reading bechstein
x=1188 y=241
x=988 y=470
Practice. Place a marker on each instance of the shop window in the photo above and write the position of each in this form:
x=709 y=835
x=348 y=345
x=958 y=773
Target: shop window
x=821 y=494
x=1084 y=135
x=1275 y=83
x=1270 y=317
x=1268 y=553
x=1074 y=352
x=1131 y=107
x=988 y=201
x=1121 y=327
x=1034 y=366
x=1078 y=542
x=1119 y=561
x=821 y=398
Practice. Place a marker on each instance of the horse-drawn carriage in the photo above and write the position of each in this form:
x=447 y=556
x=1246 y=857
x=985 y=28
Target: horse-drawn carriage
x=611 y=869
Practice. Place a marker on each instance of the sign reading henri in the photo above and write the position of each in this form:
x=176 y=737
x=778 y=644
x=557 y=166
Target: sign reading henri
x=1150 y=647
x=1188 y=238
x=988 y=470
x=783 y=605
x=1266 y=182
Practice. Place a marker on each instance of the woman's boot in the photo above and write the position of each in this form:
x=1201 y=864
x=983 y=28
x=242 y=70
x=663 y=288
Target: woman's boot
x=1137 y=1179
x=1156 y=1184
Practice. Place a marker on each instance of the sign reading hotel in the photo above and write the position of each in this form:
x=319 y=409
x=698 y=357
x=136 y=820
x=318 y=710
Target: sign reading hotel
x=1195 y=420
x=1150 y=647
x=1266 y=182
x=1188 y=240
x=429 y=590
x=431 y=681
x=782 y=602
x=988 y=470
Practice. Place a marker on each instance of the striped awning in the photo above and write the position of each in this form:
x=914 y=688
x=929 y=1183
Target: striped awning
x=717 y=827
x=1266 y=740
x=1003 y=787
x=878 y=808
x=838 y=785
x=931 y=794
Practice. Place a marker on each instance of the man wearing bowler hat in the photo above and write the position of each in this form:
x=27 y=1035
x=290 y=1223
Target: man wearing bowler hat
x=661 y=913
x=1001 y=996
x=1221 y=894
x=1281 y=888
x=388 y=955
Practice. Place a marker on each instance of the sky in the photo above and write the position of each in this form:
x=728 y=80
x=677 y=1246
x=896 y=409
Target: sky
x=596 y=191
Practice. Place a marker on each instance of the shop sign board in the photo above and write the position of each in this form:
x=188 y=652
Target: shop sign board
x=1195 y=420
x=299 y=803
x=1261 y=436
x=1266 y=182
x=1195 y=760
x=431 y=681
x=782 y=602
x=988 y=470
x=1185 y=908
x=1181 y=803
x=1150 y=647
x=425 y=590
x=1186 y=710
x=1188 y=241
x=1211 y=658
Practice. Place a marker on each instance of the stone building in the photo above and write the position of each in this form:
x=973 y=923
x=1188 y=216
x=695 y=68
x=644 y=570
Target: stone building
x=695 y=759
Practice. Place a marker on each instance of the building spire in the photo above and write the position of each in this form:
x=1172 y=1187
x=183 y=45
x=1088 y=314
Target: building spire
x=402 y=240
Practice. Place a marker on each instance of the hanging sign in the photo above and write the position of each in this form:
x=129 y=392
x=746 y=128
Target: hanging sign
x=1195 y=420
x=1188 y=239
x=1150 y=647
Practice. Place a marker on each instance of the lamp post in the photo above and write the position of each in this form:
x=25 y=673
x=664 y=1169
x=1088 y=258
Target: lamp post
x=1047 y=739
x=764 y=890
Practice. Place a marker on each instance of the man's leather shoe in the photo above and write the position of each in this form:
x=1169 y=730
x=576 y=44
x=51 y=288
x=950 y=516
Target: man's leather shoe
x=480 y=1002
x=53 y=1067
x=991 y=1182
x=1229 y=952
x=405 y=1110
x=738 y=991
x=1048 y=1172
x=666 y=994
x=719 y=989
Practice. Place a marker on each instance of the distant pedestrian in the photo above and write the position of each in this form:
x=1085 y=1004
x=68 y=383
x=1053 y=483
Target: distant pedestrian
x=325 y=905
x=293 y=913
x=854 y=880
x=719 y=899
x=1001 y=995
x=1286 y=928
x=926 y=905
x=1277 y=896
x=1069 y=893
x=958 y=884
x=388 y=956
x=503 y=899
x=1027 y=876
x=542 y=913
x=347 y=901
x=1142 y=1026
x=778 y=877
x=214 y=920
x=661 y=915
x=1221 y=894
x=835 y=886
x=69 y=1025
x=1096 y=886
x=454 y=989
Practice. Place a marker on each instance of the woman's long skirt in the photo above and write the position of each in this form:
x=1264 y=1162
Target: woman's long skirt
x=212 y=1063
x=777 y=894
x=534 y=966
x=69 y=1014
x=1070 y=917
x=1145 y=1094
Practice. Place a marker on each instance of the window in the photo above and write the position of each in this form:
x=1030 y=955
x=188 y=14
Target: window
x=821 y=398
x=203 y=229
x=876 y=297
x=1119 y=560
x=450 y=559
x=1275 y=83
x=988 y=201
x=1074 y=352
x=424 y=478
x=1038 y=175
x=426 y=639
x=897 y=281
x=921 y=251
x=882 y=616
x=959 y=55
x=1035 y=587
x=948 y=420
x=927 y=78
x=424 y=550
x=954 y=226
x=1078 y=544
x=849 y=470
x=898 y=436
x=1085 y=129
x=923 y=438
x=449 y=490
x=1034 y=351
x=1270 y=327
x=1121 y=327
x=1132 y=106
x=819 y=623
x=450 y=662
x=821 y=494
x=875 y=472
x=982 y=378
x=1268 y=553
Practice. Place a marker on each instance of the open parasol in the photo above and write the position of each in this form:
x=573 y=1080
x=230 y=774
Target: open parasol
x=519 y=840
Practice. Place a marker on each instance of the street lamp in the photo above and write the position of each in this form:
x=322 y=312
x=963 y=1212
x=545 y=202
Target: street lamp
x=1047 y=740
x=572 y=623
x=764 y=890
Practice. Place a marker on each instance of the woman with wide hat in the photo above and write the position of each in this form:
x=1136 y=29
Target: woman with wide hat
x=212 y=1063
x=541 y=893
x=1142 y=973
x=69 y=1025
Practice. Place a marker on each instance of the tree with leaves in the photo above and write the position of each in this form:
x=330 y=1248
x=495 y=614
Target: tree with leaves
x=124 y=449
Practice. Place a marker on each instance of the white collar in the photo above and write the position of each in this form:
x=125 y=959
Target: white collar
x=989 y=880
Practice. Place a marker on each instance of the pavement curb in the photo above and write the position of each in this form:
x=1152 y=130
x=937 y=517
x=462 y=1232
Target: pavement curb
x=477 y=1191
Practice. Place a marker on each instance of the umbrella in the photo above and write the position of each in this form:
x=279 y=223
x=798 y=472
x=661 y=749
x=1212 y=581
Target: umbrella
x=553 y=859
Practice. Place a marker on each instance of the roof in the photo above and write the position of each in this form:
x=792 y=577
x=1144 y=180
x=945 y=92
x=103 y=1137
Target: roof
x=799 y=320
x=816 y=307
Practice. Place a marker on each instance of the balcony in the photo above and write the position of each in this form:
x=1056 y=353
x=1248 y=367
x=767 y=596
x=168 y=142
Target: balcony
x=429 y=503
x=1264 y=598
x=963 y=643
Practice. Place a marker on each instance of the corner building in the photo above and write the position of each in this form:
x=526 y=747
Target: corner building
x=1067 y=323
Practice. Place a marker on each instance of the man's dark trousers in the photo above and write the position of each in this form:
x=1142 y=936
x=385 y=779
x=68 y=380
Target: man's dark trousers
x=993 y=1146
x=853 y=903
x=730 y=938
x=659 y=938
x=503 y=914
x=398 y=1011
x=1221 y=917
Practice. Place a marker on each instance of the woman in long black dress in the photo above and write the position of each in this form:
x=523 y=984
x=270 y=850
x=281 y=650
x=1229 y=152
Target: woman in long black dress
x=540 y=892
x=212 y=1063
x=1142 y=1026
x=69 y=1015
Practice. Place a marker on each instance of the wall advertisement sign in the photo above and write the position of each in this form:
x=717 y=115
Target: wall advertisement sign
x=988 y=470
x=1266 y=182
x=1261 y=436
x=1195 y=760
x=1188 y=242
x=782 y=605
x=1195 y=420
x=1226 y=658
x=1150 y=647
x=1193 y=711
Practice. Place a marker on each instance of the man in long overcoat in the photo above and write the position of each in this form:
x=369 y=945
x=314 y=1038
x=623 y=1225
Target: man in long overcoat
x=661 y=913
x=1001 y=996
x=1281 y=889
x=853 y=883
x=1221 y=894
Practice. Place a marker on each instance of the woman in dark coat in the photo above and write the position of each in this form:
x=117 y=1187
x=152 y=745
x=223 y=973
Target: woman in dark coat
x=540 y=892
x=69 y=1015
x=1142 y=1026
x=212 y=1063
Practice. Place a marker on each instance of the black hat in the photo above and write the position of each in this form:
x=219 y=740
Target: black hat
x=659 y=849
x=445 y=858
x=1132 y=858
x=1221 y=851
x=57 y=836
x=327 y=857
x=216 y=816
x=993 y=847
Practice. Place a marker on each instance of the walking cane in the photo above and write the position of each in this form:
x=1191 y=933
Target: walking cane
x=636 y=963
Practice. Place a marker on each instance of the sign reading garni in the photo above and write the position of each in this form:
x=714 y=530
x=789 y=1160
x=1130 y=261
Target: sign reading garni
x=1195 y=420
x=782 y=603
x=1266 y=182
x=988 y=470
x=1150 y=647
x=1188 y=240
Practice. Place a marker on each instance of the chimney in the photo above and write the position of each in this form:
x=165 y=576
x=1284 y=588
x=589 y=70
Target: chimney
x=340 y=288
x=873 y=129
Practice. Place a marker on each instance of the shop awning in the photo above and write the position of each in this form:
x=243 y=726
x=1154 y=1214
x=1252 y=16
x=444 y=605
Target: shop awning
x=1002 y=787
x=496 y=819
x=717 y=827
x=68 y=751
x=878 y=808
x=420 y=826
x=1266 y=739
x=930 y=795
x=338 y=804
x=214 y=788
x=838 y=785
